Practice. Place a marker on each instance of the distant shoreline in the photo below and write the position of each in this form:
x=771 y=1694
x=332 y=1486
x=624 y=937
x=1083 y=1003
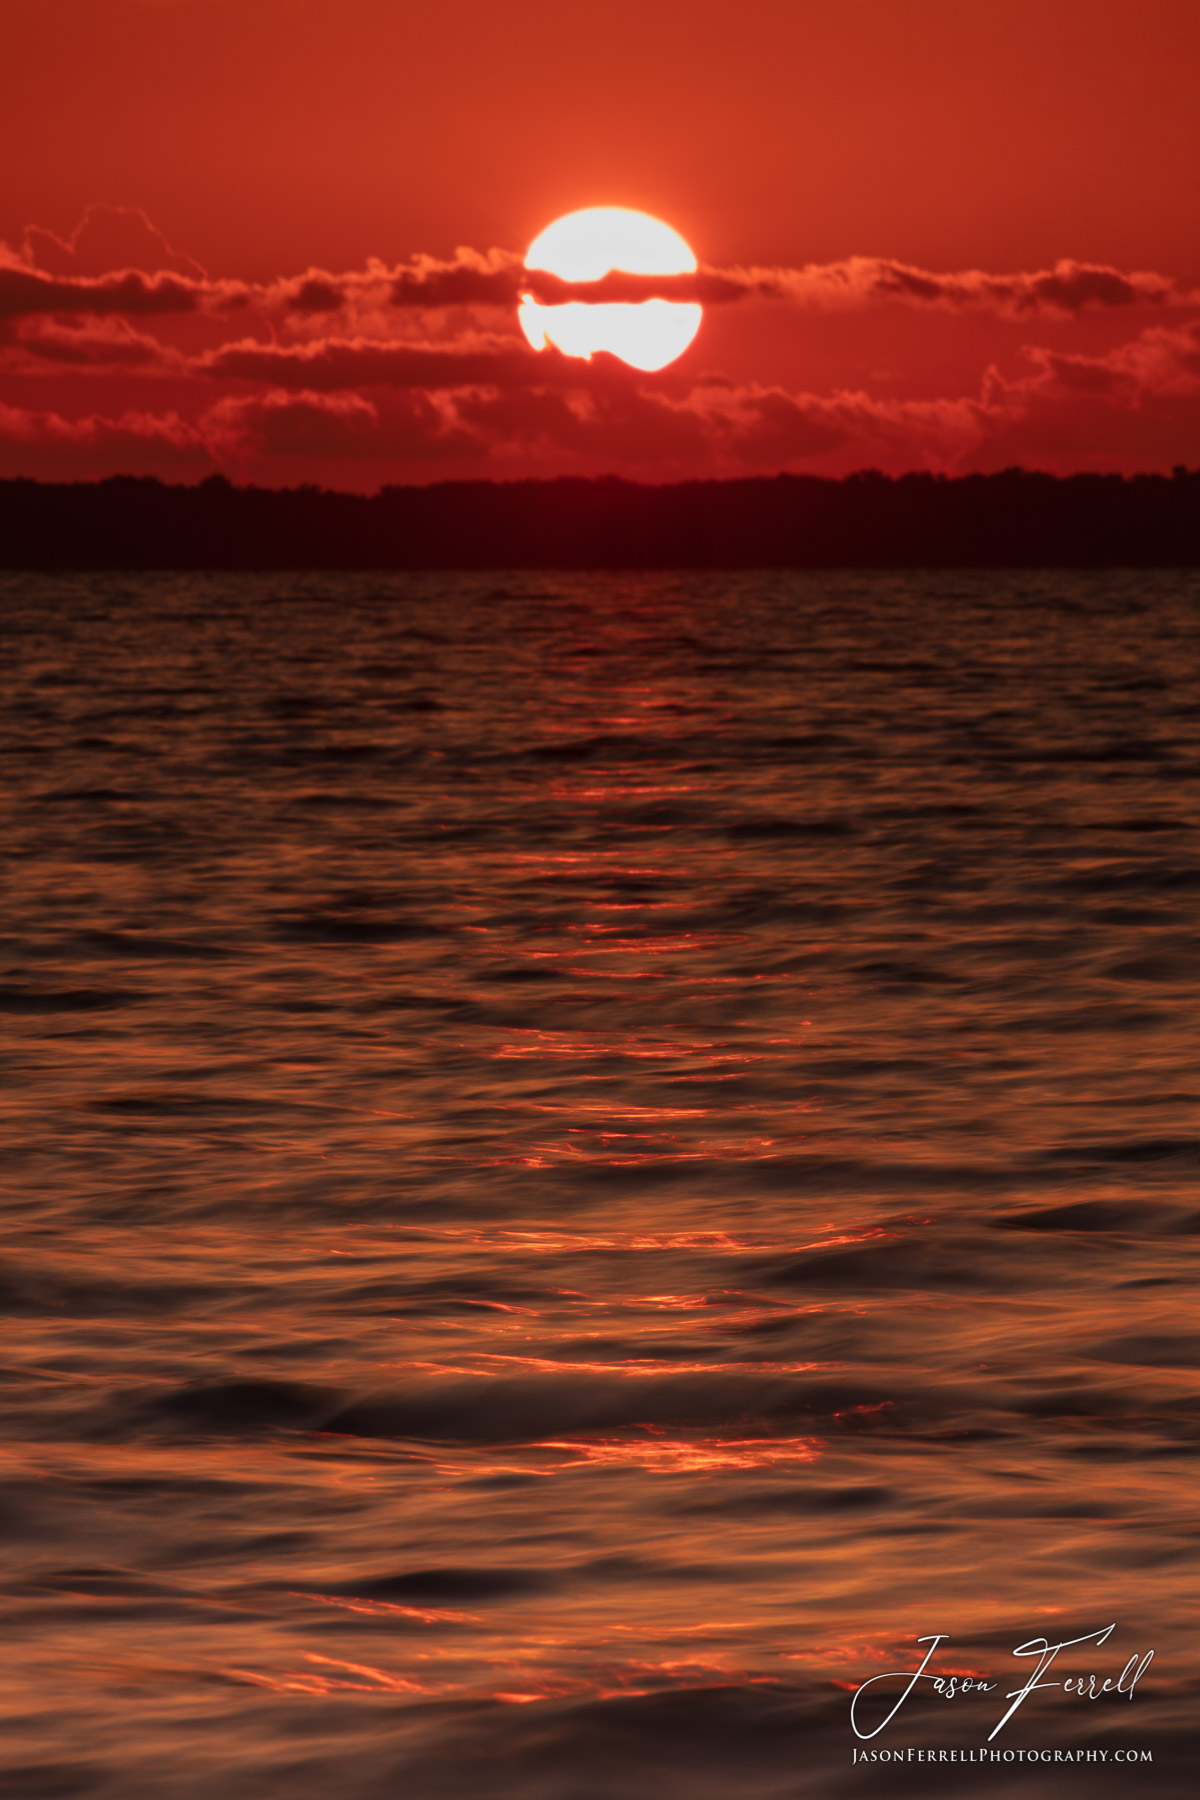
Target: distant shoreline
x=1014 y=519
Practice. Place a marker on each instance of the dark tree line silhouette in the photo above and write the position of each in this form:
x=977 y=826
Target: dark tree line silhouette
x=1013 y=519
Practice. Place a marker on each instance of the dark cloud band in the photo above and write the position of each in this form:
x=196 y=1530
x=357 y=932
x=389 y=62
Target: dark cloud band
x=499 y=280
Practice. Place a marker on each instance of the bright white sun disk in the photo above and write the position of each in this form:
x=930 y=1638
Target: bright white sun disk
x=586 y=246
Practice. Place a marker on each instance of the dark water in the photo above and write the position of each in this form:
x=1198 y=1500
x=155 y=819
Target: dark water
x=589 y=1158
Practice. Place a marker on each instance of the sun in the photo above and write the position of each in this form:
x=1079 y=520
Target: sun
x=592 y=243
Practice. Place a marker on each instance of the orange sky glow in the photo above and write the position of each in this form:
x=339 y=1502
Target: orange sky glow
x=283 y=239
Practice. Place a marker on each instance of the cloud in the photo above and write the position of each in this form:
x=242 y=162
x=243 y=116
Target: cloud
x=710 y=428
x=426 y=283
x=25 y=292
x=471 y=360
x=1139 y=404
x=235 y=431
x=80 y=343
x=861 y=281
x=470 y=279
x=499 y=279
x=858 y=281
x=1157 y=364
x=314 y=425
x=719 y=428
x=1048 y=417
x=506 y=404
x=107 y=238
x=116 y=260
x=1140 y=401
x=44 y=443
x=346 y=363
x=1157 y=361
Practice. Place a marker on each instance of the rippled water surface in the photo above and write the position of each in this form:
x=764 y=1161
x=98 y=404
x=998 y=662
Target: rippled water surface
x=588 y=1158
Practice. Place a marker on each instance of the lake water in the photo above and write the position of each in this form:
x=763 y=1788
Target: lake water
x=589 y=1158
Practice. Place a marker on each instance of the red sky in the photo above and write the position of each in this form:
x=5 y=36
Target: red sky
x=956 y=234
